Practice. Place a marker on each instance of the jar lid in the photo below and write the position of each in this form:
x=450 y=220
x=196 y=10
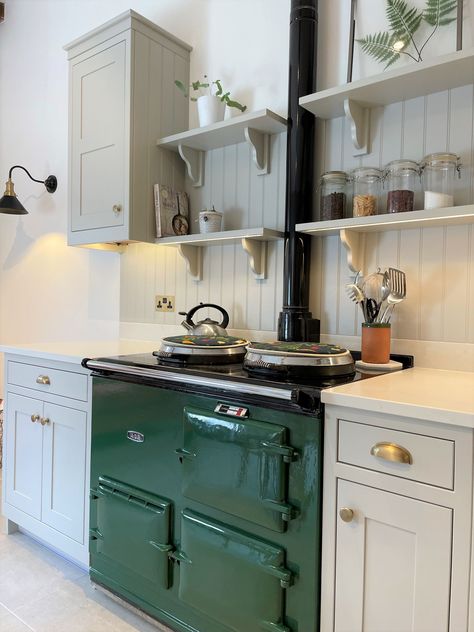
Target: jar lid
x=441 y=159
x=402 y=165
x=360 y=173
x=335 y=175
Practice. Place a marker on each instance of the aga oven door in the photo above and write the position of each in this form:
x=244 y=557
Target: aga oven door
x=130 y=536
x=239 y=466
x=235 y=578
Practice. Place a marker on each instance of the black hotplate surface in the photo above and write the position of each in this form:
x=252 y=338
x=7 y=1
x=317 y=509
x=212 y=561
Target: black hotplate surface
x=236 y=373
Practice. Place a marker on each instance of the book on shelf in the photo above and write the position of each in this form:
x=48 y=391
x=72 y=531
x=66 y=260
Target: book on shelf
x=171 y=210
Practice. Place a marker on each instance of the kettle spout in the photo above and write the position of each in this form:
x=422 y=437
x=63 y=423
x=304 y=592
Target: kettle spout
x=187 y=326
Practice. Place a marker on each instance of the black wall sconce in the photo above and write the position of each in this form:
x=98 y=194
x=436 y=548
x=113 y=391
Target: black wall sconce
x=10 y=204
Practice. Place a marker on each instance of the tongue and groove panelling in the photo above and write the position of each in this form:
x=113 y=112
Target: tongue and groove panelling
x=247 y=200
x=439 y=262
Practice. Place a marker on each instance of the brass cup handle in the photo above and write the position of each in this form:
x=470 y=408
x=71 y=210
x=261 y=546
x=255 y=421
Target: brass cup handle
x=35 y=418
x=44 y=421
x=43 y=379
x=391 y=452
x=346 y=514
x=117 y=208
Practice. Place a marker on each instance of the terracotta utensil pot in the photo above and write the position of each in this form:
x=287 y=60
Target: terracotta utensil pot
x=375 y=344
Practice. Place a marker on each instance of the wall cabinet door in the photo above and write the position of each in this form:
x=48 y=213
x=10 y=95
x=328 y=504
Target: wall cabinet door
x=393 y=562
x=100 y=152
x=24 y=447
x=64 y=470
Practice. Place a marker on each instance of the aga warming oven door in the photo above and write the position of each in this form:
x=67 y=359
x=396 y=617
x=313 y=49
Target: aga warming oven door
x=206 y=518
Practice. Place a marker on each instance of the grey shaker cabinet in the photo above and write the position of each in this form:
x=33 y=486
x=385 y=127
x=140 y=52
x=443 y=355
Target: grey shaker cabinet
x=121 y=98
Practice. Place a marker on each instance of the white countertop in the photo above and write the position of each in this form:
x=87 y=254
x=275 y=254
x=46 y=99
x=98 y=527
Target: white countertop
x=430 y=394
x=75 y=351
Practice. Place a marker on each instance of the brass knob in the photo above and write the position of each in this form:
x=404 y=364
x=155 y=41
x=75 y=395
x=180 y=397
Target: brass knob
x=43 y=379
x=35 y=418
x=346 y=514
x=44 y=421
x=117 y=208
x=391 y=452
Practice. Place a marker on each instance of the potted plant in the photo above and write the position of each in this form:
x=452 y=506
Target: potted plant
x=212 y=105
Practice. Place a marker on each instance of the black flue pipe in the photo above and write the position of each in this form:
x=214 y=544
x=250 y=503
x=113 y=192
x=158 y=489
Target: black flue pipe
x=295 y=322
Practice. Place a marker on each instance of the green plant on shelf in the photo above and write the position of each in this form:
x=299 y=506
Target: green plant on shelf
x=217 y=91
x=404 y=23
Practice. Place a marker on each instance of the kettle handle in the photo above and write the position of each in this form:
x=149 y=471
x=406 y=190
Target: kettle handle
x=189 y=315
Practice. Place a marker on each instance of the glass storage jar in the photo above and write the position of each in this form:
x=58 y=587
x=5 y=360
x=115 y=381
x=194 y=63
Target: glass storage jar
x=401 y=178
x=333 y=195
x=439 y=171
x=367 y=183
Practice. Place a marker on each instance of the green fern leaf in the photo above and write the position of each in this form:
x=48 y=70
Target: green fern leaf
x=437 y=12
x=381 y=47
x=404 y=22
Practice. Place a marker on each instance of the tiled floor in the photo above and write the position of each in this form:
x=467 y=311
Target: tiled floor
x=41 y=591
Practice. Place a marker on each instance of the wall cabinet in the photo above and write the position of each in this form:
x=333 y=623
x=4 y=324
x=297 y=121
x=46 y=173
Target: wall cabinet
x=122 y=97
x=47 y=450
x=396 y=524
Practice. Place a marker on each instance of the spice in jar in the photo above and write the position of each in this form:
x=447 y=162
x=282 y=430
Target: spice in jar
x=367 y=190
x=363 y=205
x=402 y=177
x=400 y=201
x=332 y=206
x=439 y=172
x=333 y=195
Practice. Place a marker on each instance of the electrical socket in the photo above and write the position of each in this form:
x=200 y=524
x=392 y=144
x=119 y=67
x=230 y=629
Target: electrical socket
x=164 y=303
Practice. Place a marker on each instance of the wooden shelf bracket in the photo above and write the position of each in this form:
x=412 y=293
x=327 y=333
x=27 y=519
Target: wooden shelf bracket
x=193 y=257
x=359 y=118
x=354 y=242
x=257 y=253
x=194 y=160
x=260 y=143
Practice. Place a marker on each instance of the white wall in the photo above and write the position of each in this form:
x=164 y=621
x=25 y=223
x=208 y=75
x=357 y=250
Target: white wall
x=50 y=291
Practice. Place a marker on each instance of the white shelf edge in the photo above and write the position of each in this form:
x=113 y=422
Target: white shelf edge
x=254 y=128
x=222 y=237
x=352 y=231
x=393 y=221
x=253 y=242
x=263 y=120
x=417 y=79
x=355 y=99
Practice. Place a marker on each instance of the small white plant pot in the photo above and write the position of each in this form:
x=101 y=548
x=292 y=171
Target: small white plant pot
x=231 y=113
x=210 y=110
x=210 y=221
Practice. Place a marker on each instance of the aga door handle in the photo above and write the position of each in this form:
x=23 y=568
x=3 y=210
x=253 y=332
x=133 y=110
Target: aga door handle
x=391 y=452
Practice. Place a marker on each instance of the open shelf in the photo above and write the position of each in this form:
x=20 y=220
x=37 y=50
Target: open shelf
x=414 y=80
x=253 y=241
x=254 y=128
x=352 y=230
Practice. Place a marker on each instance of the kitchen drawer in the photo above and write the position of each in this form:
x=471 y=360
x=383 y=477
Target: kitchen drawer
x=48 y=380
x=432 y=458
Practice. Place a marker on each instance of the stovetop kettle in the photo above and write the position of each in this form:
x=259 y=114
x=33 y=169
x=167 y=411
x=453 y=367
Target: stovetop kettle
x=206 y=327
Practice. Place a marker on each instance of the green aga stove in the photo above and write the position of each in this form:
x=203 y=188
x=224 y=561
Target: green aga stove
x=205 y=493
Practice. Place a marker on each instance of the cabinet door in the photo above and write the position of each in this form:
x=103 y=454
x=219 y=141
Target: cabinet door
x=393 y=563
x=23 y=439
x=64 y=470
x=100 y=123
